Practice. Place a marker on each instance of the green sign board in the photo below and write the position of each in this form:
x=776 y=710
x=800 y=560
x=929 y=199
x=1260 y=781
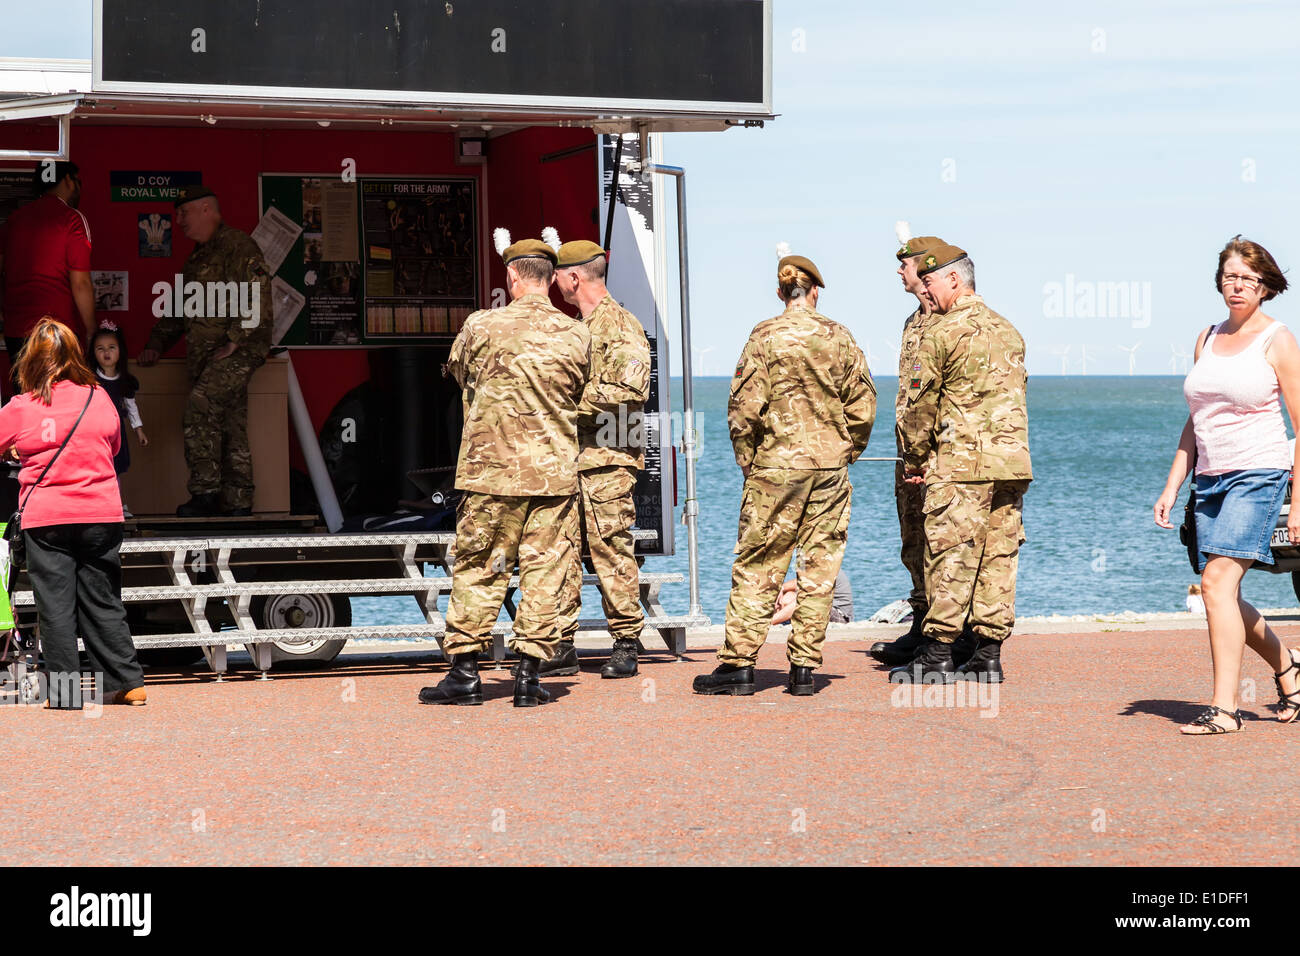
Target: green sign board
x=145 y=185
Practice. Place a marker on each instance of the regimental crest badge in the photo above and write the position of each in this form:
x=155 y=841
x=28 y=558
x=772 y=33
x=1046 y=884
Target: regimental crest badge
x=930 y=261
x=916 y=383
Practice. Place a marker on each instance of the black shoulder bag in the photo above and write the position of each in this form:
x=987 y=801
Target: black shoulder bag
x=14 y=529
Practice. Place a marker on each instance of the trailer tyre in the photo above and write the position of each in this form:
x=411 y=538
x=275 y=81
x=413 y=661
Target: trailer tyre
x=303 y=610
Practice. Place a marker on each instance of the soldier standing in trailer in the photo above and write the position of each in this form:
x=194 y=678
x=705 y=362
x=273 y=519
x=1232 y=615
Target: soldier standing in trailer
x=611 y=452
x=222 y=351
x=801 y=410
x=523 y=368
x=965 y=430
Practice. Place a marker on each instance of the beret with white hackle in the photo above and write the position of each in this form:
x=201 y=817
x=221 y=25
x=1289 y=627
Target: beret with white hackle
x=523 y=249
x=910 y=245
x=799 y=262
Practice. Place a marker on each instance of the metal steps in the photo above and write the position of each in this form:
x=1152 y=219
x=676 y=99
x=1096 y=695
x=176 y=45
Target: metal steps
x=384 y=563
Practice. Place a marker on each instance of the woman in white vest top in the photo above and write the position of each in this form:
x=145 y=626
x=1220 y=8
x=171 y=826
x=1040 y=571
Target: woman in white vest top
x=1235 y=441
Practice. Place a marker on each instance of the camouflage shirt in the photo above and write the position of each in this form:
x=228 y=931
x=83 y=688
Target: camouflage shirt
x=523 y=368
x=228 y=259
x=610 y=426
x=966 y=417
x=802 y=397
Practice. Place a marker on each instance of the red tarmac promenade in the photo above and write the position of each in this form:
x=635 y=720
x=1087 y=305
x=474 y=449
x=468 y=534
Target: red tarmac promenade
x=1077 y=761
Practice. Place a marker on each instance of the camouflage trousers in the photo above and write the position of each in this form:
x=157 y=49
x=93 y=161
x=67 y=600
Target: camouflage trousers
x=973 y=533
x=910 y=499
x=607 y=515
x=493 y=532
x=215 y=429
x=783 y=510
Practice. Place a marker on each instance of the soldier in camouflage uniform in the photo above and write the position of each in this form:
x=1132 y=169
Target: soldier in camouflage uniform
x=223 y=348
x=523 y=368
x=801 y=410
x=611 y=453
x=965 y=429
x=909 y=495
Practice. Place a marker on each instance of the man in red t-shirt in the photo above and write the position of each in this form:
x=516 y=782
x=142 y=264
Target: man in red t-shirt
x=45 y=259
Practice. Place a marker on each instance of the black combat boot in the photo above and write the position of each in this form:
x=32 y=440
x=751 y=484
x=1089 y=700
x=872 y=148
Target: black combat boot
x=564 y=663
x=964 y=647
x=528 y=689
x=931 y=665
x=902 y=650
x=985 y=664
x=200 y=506
x=726 y=679
x=460 y=686
x=237 y=512
x=801 y=681
x=622 y=660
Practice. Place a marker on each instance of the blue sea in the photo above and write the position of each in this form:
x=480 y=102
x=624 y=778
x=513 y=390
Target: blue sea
x=1101 y=448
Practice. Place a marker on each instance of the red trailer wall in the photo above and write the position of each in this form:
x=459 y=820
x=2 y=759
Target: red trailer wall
x=521 y=193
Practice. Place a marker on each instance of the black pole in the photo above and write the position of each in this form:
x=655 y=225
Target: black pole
x=613 y=196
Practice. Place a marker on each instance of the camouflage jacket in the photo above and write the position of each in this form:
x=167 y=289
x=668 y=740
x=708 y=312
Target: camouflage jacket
x=802 y=396
x=966 y=417
x=523 y=368
x=227 y=260
x=912 y=329
x=610 y=426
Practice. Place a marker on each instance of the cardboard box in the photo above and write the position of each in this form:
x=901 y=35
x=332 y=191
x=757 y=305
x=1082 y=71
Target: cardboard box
x=156 y=482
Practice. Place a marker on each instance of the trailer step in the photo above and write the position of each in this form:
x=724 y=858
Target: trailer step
x=348 y=587
x=424 y=632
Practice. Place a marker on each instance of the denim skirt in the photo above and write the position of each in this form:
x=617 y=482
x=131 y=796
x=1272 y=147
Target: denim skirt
x=1237 y=511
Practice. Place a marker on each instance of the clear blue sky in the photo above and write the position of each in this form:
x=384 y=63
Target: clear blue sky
x=1112 y=142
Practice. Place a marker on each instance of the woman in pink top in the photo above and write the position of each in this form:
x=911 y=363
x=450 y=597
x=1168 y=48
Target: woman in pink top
x=72 y=517
x=1235 y=438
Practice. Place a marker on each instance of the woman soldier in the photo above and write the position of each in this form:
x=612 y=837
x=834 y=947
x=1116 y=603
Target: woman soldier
x=801 y=410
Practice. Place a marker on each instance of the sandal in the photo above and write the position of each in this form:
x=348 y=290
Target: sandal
x=1206 y=720
x=1289 y=706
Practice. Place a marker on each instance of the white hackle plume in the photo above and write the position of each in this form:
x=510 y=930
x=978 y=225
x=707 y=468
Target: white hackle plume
x=904 y=232
x=551 y=238
x=501 y=238
x=782 y=250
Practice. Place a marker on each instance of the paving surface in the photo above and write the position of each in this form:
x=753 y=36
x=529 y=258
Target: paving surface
x=1077 y=761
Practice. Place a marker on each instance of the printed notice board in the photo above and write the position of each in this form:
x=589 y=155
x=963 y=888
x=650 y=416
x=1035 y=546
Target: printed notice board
x=377 y=260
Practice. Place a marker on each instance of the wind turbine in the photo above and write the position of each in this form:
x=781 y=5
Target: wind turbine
x=871 y=359
x=1132 y=354
x=1064 y=353
x=1084 y=358
x=1177 y=355
x=699 y=361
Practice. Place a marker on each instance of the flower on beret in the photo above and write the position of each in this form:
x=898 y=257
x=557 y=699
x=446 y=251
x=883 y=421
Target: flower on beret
x=929 y=261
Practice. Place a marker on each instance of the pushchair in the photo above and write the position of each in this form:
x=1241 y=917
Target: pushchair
x=17 y=646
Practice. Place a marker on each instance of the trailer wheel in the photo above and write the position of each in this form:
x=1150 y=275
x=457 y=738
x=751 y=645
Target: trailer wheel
x=303 y=610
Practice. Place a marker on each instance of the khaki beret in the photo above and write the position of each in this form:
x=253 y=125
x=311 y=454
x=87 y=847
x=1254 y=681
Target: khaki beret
x=528 y=249
x=577 y=253
x=939 y=257
x=806 y=265
x=919 y=246
x=190 y=193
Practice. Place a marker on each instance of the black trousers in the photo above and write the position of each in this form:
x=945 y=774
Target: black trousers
x=76 y=576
